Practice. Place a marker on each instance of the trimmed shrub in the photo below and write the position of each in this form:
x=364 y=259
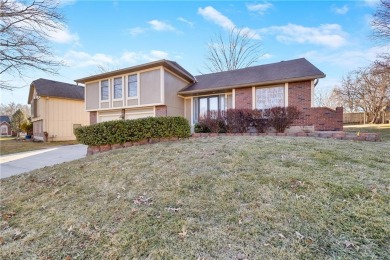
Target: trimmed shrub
x=282 y=117
x=122 y=131
x=241 y=120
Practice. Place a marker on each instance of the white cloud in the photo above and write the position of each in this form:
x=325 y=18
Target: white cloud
x=137 y=31
x=266 y=56
x=160 y=26
x=181 y=19
x=372 y=3
x=259 y=8
x=211 y=14
x=347 y=60
x=329 y=35
x=139 y=57
x=63 y=35
x=340 y=10
x=83 y=59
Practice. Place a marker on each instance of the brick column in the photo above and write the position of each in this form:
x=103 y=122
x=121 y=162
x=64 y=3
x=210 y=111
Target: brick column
x=161 y=111
x=92 y=117
x=243 y=98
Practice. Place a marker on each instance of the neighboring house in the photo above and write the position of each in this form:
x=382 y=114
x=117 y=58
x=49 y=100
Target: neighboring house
x=5 y=126
x=164 y=88
x=56 y=108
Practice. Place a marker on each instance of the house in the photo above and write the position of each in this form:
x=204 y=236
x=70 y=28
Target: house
x=5 y=126
x=56 y=109
x=164 y=88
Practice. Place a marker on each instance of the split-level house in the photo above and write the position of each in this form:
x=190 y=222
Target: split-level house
x=164 y=88
x=57 y=108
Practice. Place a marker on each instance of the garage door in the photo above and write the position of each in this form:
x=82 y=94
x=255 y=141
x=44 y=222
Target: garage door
x=139 y=113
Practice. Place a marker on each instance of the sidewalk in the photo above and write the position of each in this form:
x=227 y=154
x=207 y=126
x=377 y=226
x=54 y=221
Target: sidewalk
x=18 y=163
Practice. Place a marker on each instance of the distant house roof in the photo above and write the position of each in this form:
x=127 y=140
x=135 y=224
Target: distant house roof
x=171 y=65
x=51 y=88
x=5 y=119
x=280 y=72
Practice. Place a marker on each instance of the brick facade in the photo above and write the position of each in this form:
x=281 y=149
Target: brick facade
x=92 y=117
x=300 y=96
x=161 y=111
x=9 y=132
x=243 y=98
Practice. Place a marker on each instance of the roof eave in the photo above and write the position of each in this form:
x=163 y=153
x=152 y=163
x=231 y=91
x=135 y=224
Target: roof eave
x=252 y=84
x=158 y=63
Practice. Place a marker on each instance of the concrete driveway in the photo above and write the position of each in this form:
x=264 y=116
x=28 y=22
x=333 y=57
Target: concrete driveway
x=18 y=163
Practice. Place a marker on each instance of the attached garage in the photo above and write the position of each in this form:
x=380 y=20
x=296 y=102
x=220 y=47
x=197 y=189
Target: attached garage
x=111 y=115
x=139 y=113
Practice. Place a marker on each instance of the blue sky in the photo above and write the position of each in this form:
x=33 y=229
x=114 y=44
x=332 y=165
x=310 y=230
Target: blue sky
x=333 y=35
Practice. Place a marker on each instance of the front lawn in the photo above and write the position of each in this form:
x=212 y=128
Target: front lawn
x=205 y=198
x=10 y=146
x=383 y=129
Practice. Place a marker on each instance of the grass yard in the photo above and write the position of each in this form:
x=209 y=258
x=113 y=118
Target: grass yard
x=10 y=145
x=205 y=198
x=383 y=129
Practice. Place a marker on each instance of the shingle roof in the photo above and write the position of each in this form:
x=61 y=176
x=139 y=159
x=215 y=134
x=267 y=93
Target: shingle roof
x=279 y=72
x=4 y=119
x=51 y=88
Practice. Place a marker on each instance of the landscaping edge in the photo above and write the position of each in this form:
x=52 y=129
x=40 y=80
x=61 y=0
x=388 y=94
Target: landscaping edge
x=369 y=137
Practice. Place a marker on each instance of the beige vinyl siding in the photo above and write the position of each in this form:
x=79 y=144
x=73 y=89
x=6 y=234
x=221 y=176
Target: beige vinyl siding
x=174 y=103
x=150 y=87
x=117 y=103
x=110 y=115
x=92 y=95
x=132 y=102
x=104 y=105
x=188 y=109
x=58 y=116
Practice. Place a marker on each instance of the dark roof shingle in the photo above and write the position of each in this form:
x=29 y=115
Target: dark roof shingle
x=283 y=71
x=5 y=119
x=51 y=88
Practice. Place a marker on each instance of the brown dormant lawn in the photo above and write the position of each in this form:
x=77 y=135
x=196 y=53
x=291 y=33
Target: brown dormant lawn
x=205 y=198
x=383 y=129
x=10 y=145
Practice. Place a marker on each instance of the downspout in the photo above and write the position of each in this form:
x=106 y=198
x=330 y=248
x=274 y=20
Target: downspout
x=316 y=82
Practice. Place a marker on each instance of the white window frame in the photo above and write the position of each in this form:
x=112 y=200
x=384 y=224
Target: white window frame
x=269 y=87
x=100 y=90
x=113 y=88
x=127 y=85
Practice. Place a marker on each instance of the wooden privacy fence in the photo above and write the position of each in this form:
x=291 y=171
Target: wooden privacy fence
x=364 y=118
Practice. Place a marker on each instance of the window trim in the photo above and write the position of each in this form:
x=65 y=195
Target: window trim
x=268 y=87
x=113 y=88
x=100 y=90
x=128 y=97
x=196 y=105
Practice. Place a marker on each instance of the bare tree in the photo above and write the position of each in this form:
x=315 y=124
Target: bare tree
x=381 y=31
x=12 y=107
x=25 y=28
x=381 y=21
x=237 y=49
x=366 y=89
x=327 y=99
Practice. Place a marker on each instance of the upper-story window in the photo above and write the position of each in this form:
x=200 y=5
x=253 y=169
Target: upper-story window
x=104 y=90
x=270 y=97
x=117 y=88
x=132 y=86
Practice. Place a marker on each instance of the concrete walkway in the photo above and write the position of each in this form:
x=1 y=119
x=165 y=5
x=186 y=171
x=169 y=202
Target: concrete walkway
x=18 y=163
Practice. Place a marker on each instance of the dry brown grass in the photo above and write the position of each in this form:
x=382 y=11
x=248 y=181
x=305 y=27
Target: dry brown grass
x=10 y=146
x=383 y=129
x=222 y=197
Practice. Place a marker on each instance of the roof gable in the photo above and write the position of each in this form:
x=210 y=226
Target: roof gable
x=5 y=119
x=171 y=65
x=51 y=88
x=283 y=71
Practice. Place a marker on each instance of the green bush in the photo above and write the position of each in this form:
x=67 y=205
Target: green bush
x=121 y=131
